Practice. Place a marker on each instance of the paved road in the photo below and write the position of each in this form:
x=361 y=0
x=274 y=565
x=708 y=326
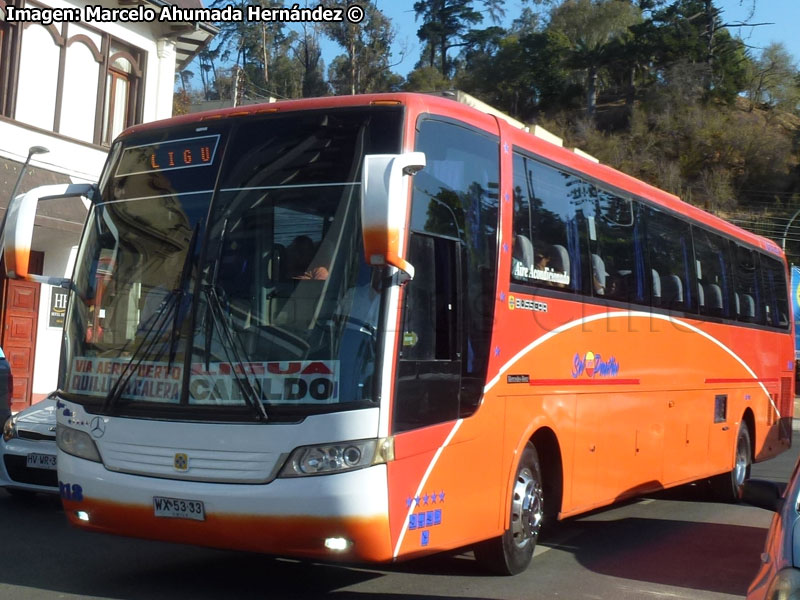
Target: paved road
x=678 y=544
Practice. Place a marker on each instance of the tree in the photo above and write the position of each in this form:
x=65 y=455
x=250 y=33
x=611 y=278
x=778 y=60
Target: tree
x=772 y=80
x=691 y=31
x=594 y=29
x=309 y=56
x=365 y=65
x=258 y=48
x=444 y=25
x=208 y=72
x=522 y=74
x=426 y=79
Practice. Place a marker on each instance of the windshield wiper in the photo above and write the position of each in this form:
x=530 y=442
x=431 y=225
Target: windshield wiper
x=251 y=395
x=181 y=291
x=154 y=330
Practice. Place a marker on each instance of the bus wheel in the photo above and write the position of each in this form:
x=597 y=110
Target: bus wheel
x=511 y=553
x=728 y=486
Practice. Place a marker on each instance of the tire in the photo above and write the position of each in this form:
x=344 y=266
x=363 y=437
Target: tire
x=728 y=486
x=512 y=552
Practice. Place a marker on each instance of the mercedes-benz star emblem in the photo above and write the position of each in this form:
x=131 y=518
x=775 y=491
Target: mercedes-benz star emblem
x=98 y=427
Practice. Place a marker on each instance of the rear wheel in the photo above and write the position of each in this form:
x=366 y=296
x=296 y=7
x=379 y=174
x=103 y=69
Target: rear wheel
x=728 y=486
x=511 y=553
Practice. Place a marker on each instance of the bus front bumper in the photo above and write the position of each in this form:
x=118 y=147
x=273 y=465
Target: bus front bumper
x=339 y=517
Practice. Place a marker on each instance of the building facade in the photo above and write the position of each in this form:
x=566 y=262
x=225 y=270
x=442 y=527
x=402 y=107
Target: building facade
x=71 y=88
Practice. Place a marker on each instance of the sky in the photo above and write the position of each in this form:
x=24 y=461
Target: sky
x=783 y=16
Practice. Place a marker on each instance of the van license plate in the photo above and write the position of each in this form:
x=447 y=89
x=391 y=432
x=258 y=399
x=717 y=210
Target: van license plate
x=179 y=508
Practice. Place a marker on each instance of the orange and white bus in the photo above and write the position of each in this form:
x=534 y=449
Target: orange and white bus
x=369 y=328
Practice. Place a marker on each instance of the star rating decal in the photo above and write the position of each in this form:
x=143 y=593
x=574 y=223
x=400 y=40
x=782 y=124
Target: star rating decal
x=425 y=499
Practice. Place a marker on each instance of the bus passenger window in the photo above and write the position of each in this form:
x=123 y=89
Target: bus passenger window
x=748 y=293
x=776 y=304
x=548 y=217
x=713 y=266
x=669 y=243
x=617 y=248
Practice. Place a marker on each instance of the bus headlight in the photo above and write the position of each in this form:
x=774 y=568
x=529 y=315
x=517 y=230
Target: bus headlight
x=9 y=429
x=76 y=442
x=321 y=459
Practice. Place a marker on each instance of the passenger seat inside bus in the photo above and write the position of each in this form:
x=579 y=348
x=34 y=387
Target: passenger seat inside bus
x=715 y=305
x=560 y=261
x=598 y=275
x=656 y=287
x=671 y=291
x=523 y=250
x=275 y=261
x=748 y=305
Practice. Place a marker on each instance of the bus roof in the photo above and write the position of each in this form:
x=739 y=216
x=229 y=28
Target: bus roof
x=448 y=106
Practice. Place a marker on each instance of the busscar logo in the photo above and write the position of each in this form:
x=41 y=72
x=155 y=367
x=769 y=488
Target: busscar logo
x=518 y=379
x=592 y=365
x=526 y=304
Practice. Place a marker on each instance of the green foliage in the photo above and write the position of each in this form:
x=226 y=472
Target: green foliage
x=426 y=79
x=705 y=152
x=597 y=32
x=445 y=24
x=364 y=67
x=525 y=74
x=773 y=80
x=657 y=88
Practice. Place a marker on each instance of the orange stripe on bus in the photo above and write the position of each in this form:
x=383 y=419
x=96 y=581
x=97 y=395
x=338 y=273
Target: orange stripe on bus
x=742 y=380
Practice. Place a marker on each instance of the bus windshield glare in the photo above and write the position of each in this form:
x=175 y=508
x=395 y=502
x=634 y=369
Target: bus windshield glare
x=222 y=274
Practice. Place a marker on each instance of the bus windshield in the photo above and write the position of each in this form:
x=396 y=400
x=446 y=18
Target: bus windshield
x=222 y=275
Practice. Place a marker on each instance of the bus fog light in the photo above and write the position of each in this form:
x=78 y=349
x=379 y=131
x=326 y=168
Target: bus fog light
x=82 y=515
x=76 y=442
x=337 y=544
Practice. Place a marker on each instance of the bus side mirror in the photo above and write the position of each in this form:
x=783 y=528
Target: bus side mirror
x=385 y=190
x=17 y=231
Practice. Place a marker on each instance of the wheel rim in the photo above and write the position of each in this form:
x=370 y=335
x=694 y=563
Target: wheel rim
x=742 y=461
x=526 y=508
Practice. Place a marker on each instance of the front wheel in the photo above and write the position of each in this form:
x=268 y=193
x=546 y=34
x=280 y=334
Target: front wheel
x=728 y=486
x=512 y=552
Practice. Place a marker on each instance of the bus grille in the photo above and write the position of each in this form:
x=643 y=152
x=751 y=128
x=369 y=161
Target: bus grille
x=201 y=465
x=786 y=408
x=787 y=399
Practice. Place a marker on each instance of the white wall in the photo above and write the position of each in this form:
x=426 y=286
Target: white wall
x=82 y=163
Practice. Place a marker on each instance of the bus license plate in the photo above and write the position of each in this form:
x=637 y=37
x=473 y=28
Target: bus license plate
x=179 y=508
x=41 y=461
